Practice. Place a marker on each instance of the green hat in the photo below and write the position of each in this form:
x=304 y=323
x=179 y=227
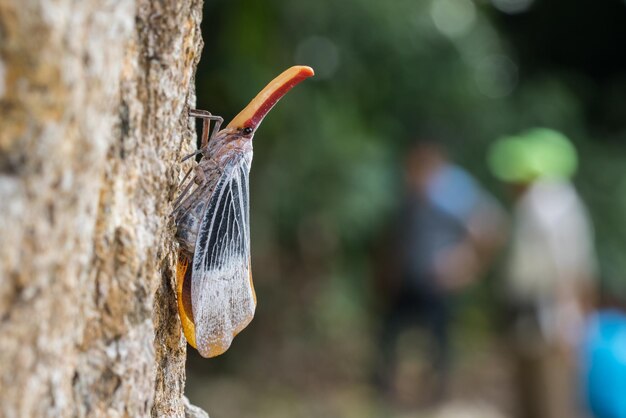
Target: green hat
x=538 y=153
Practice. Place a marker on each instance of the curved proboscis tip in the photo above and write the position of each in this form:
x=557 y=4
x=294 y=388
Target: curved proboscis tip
x=252 y=115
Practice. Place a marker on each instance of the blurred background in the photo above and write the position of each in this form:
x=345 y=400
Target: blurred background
x=407 y=113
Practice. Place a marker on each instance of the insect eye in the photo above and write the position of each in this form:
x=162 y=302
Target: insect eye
x=247 y=130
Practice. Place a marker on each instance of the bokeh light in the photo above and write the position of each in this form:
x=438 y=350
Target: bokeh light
x=453 y=18
x=321 y=53
x=512 y=6
x=496 y=76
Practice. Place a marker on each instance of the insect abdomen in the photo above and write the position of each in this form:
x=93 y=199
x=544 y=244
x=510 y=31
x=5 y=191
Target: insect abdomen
x=187 y=226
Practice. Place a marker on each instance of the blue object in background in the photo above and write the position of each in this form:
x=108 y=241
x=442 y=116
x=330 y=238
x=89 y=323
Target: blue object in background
x=604 y=364
x=454 y=192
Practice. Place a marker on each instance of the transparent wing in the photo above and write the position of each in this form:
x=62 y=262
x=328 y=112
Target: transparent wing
x=223 y=299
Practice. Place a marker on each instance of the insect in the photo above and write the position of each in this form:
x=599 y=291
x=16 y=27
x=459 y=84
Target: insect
x=216 y=298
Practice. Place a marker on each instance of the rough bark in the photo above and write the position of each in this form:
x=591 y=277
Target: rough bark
x=93 y=102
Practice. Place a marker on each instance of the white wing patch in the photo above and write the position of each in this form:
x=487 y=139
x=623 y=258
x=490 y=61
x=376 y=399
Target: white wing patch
x=223 y=300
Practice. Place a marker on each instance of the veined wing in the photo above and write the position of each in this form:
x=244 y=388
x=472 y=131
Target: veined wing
x=223 y=299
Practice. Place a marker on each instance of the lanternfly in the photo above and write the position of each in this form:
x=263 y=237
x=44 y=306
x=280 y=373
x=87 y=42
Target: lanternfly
x=216 y=298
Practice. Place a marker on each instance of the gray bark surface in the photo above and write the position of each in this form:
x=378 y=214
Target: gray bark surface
x=93 y=103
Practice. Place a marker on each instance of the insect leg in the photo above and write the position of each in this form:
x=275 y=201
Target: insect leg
x=191 y=198
x=185 y=178
x=199 y=179
x=193 y=154
x=207 y=117
x=181 y=198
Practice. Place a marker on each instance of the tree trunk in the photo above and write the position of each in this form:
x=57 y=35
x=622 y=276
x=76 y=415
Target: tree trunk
x=93 y=121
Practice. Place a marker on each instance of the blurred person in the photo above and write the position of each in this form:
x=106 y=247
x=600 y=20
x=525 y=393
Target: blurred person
x=446 y=233
x=549 y=270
